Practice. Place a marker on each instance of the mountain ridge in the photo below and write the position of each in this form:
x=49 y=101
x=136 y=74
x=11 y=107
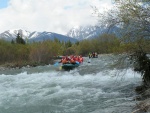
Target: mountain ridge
x=77 y=33
x=90 y=32
x=34 y=36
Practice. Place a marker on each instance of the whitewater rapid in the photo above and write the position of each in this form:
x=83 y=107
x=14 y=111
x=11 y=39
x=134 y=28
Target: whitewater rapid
x=45 y=89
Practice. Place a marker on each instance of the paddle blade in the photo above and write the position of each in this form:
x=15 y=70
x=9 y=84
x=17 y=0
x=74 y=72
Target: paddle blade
x=60 y=68
x=77 y=62
x=56 y=64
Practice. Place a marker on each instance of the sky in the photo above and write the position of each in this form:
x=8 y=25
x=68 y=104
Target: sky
x=57 y=16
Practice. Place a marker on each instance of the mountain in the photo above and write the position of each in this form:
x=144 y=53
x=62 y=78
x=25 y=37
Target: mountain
x=40 y=36
x=75 y=34
x=89 y=32
x=34 y=36
x=11 y=34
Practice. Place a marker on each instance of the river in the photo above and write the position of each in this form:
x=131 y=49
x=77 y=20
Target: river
x=95 y=87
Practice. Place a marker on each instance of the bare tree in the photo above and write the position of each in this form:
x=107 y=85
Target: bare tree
x=133 y=17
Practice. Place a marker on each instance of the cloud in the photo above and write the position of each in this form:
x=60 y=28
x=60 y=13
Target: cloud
x=48 y=15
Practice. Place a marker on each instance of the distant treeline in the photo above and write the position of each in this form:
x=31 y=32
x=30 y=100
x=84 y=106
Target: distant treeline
x=19 y=52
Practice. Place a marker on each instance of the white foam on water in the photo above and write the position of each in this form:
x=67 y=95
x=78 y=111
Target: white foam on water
x=69 y=90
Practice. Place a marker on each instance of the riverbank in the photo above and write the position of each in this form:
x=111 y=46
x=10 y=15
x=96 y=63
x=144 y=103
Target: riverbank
x=144 y=98
x=18 y=65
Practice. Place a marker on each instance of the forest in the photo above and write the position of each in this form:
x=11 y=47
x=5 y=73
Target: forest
x=21 y=53
x=132 y=17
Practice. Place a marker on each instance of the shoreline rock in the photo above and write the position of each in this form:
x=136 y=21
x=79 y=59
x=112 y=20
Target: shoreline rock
x=144 y=98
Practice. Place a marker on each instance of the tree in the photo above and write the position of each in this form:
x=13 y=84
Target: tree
x=106 y=43
x=68 y=44
x=77 y=43
x=85 y=47
x=12 y=41
x=56 y=40
x=40 y=53
x=69 y=51
x=19 y=39
x=131 y=16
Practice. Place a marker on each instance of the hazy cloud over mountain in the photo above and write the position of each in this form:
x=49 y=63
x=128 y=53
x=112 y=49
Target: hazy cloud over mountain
x=49 y=15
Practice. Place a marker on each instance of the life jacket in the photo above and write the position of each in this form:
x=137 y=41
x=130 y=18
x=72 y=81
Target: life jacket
x=72 y=60
x=61 y=59
x=81 y=59
x=64 y=61
x=76 y=58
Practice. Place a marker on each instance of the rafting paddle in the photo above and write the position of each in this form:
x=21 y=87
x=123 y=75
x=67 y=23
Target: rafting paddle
x=56 y=64
x=77 y=62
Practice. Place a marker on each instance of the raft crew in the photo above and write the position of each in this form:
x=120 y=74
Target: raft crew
x=72 y=59
x=93 y=55
x=90 y=55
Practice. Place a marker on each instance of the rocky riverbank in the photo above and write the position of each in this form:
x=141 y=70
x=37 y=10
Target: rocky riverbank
x=19 y=65
x=144 y=97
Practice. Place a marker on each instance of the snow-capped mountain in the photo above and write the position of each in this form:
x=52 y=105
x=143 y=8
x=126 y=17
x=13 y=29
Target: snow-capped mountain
x=34 y=36
x=89 y=32
x=11 y=34
x=82 y=33
x=40 y=36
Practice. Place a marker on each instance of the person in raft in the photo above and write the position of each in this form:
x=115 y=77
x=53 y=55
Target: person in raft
x=90 y=55
x=65 y=60
x=72 y=59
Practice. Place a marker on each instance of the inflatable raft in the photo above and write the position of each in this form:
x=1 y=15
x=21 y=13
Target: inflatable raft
x=69 y=66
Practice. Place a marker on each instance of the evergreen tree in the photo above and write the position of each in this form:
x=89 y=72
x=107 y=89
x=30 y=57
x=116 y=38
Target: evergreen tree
x=19 y=39
x=68 y=44
x=77 y=43
x=56 y=40
x=12 y=41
